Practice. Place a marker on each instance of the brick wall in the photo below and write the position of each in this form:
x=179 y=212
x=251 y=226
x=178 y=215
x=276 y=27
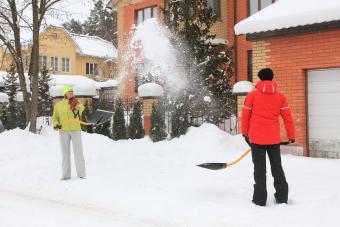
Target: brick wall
x=290 y=57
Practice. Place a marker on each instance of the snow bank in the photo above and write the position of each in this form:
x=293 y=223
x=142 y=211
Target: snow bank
x=3 y=74
x=20 y=97
x=56 y=91
x=242 y=87
x=3 y=97
x=150 y=90
x=290 y=13
x=106 y=84
x=84 y=90
x=70 y=80
x=139 y=183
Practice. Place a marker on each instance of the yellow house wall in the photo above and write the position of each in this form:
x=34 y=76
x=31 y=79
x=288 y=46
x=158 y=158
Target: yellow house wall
x=54 y=42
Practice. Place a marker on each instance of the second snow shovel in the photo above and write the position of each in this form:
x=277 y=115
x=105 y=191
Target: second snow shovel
x=219 y=166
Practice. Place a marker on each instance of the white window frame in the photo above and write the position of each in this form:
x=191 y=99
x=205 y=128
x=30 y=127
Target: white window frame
x=54 y=64
x=66 y=65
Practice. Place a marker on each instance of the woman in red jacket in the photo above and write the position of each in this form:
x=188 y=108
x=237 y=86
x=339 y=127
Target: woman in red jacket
x=261 y=129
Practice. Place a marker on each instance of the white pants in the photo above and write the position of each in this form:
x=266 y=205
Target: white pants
x=65 y=139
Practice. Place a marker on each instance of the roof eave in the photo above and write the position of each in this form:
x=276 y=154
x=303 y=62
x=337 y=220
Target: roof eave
x=299 y=30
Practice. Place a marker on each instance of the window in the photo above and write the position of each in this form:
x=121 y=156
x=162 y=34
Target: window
x=65 y=65
x=250 y=66
x=54 y=64
x=42 y=61
x=216 y=6
x=257 y=5
x=91 y=69
x=146 y=13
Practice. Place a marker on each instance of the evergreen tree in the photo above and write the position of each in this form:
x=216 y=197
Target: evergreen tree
x=179 y=120
x=158 y=129
x=3 y=117
x=21 y=115
x=44 y=97
x=136 y=130
x=11 y=88
x=119 y=127
x=74 y=26
x=102 y=22
x=207 y=65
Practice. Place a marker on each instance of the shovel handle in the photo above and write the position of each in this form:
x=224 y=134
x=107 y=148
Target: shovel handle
x=247 y=152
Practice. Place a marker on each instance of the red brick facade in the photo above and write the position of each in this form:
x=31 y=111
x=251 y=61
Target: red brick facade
x=290 y=57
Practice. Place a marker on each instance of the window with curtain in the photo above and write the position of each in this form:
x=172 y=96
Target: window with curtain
x=54 y=64
x=65 y=65
x=146 y=13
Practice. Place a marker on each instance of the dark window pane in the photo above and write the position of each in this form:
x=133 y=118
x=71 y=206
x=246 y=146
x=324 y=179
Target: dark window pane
x=87 y=68
x=95 y=69
x=250 y=66
x=216 y=6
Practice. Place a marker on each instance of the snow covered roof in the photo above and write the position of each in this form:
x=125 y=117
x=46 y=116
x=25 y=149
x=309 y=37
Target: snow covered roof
x=84 y=90
x=108 y=83
x=150 y=90
x=290 y=13
x=94 y=46
x=242 y=87
x=56 y=91
x=71 y=80
x=3 y=97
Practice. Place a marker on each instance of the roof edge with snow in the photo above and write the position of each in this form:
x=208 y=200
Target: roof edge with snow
x=286 y=17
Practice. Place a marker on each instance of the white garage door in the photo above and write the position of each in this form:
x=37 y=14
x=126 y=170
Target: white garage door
x=324 y=112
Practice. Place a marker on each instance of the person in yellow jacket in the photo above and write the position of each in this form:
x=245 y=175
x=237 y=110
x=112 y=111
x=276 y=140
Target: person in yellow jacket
x=66 y=119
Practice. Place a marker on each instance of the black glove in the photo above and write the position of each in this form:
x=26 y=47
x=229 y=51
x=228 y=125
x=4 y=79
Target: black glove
x=246 y=138
x=57 y=127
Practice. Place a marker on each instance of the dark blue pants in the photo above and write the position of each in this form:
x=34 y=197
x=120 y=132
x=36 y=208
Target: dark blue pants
x=280 y=183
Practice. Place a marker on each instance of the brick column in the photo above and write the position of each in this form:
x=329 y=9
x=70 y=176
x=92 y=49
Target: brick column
x=147 y=110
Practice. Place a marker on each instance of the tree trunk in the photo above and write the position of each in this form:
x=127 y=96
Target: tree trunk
x=17 y=56
x=35 y=67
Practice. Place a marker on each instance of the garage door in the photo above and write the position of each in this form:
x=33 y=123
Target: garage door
x=324 y=112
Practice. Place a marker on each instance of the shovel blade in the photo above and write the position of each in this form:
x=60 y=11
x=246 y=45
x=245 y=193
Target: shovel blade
x=213 y=166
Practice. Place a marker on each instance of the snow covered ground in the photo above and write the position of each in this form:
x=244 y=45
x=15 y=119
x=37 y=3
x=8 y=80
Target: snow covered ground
x=139 y=183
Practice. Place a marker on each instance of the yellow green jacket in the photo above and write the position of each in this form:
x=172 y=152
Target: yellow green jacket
x=63 y=115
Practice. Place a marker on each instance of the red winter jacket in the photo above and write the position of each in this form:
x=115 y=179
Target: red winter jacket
x=260 y=114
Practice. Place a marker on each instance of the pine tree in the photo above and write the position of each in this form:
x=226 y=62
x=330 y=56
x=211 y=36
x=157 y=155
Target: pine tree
x=136 y=130
x=207 y=65
x=179 y=120
x=21 y=115
x=44 y=97
x=119 y=127
x=74 y=26
x=11 y=88
x=102 y=22
x=4 y=118
x=158 y=129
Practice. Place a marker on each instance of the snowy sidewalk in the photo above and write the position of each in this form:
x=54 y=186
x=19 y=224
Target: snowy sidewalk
x=139 y=183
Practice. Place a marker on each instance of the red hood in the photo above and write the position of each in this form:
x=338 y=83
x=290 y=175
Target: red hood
x=267 y=86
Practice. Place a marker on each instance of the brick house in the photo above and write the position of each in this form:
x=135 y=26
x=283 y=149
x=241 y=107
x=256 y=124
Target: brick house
x=302 y=46
x=136 y=11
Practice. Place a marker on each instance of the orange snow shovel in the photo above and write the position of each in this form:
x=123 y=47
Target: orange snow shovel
x=219 y=166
